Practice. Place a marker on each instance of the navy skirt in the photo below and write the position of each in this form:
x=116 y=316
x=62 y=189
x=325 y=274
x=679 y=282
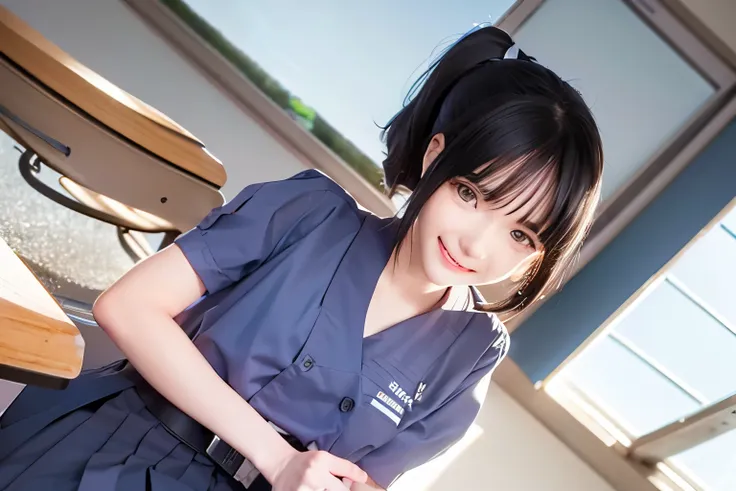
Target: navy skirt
x=112 y=443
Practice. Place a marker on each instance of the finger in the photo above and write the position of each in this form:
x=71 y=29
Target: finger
x=343 y=468
x=347 y=482
x=334 y=484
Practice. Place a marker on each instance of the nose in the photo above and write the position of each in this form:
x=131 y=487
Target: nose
x=475 y=243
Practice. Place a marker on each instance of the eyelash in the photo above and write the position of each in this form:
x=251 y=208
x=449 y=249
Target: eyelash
x=461 y=186
x=525 y=239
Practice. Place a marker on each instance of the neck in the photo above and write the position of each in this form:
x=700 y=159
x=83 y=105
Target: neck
x=406 y=279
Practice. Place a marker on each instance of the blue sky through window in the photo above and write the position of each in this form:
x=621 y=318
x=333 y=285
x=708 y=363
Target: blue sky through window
x=352 y=61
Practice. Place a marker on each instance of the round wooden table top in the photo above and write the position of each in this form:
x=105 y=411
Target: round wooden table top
x=105 y=102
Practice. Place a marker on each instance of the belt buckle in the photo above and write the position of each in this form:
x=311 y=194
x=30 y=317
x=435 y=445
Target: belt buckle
x=225 y=456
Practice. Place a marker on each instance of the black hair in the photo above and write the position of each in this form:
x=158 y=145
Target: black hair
x=501 y=116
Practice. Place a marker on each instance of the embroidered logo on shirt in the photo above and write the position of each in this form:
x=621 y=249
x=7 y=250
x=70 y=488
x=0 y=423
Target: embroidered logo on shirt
x=385 y=410
x=401 y=394
x=420 y=391
x=390 y=403
x=393 y=409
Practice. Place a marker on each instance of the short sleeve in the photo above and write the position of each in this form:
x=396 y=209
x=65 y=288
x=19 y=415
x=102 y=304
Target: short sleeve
x=235 y=239
x=433 y=435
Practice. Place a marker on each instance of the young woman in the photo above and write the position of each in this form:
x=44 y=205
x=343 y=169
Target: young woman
x=329 y=348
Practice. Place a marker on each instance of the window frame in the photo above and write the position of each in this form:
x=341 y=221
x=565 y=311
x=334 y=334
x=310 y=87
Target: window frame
x=655 y=447
x=710 y=422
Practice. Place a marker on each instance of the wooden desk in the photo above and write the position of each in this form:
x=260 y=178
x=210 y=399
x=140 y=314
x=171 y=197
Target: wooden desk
x=104 y=102
x=39 y=345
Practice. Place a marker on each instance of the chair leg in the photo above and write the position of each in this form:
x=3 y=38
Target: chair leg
x=134 y=244
x=29 y=165
x=79 y=312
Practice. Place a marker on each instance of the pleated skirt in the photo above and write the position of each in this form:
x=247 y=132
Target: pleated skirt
x=113 y=444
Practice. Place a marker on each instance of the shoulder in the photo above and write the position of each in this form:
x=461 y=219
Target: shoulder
x=497 y=339
x=297 y=204
x=465 y=374
x=308 y=197
x=307 y=203
x=311 y=184
x=484 y=350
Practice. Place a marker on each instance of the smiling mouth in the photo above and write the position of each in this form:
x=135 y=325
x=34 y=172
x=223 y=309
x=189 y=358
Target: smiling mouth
x=451 y=262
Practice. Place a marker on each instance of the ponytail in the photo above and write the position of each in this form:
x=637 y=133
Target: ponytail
x=408 y=133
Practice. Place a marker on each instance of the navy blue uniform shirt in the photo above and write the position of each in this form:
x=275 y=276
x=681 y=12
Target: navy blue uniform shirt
x=290 y=268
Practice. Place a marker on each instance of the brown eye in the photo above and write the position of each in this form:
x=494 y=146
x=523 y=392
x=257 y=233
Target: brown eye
x=522 y=238
x=466 y=193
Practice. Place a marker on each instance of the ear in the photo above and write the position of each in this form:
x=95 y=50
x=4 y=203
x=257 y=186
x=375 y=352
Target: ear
x=435 y=147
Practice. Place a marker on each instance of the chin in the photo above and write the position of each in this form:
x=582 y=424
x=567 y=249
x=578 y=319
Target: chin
x=438 y=275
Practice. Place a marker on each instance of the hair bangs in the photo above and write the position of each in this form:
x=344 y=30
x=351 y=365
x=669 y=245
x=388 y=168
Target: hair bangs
x=527 y=184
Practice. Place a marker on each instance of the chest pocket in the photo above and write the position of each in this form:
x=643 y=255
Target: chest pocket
x=310 y=399
x=384 y=409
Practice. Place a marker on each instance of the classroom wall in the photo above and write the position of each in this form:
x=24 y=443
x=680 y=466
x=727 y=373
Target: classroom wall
x=513 y=452
x=508 y=450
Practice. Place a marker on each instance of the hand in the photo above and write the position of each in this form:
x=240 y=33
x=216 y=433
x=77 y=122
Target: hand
x=358 y=486
x=316 y=471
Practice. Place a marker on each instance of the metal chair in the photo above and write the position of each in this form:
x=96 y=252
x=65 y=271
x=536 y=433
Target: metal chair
x=120 y=160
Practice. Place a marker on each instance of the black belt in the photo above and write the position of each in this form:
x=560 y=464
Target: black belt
x=196 y=436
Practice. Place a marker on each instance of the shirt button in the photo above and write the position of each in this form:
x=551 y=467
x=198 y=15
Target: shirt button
x=347 y=405
x=308 y=363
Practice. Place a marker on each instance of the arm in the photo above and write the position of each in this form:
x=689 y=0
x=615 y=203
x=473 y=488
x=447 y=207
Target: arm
x=137 y=312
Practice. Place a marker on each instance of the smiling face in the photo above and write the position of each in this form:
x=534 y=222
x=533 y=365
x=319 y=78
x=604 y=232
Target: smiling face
x=461 y=239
